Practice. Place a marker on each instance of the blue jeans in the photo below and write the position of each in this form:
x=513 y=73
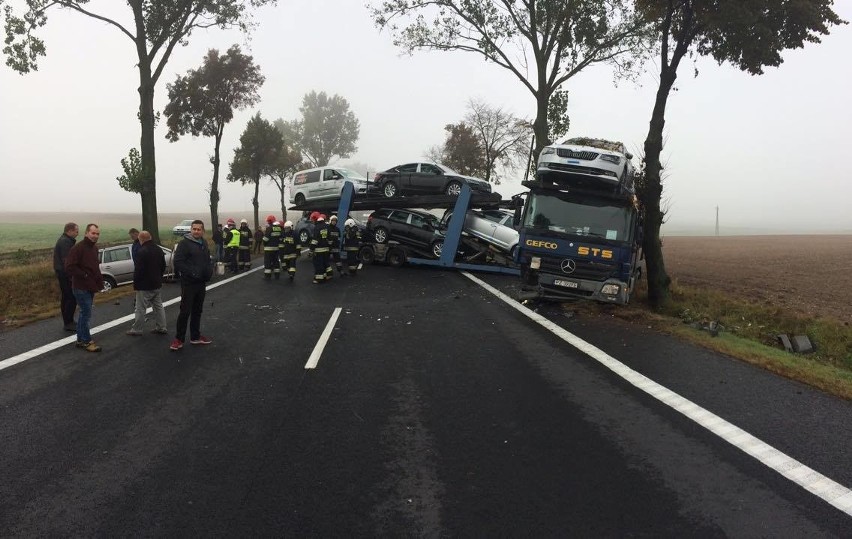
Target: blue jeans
x=85 y=299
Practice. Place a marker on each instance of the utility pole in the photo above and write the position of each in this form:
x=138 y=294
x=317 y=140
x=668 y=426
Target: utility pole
x=717 y=221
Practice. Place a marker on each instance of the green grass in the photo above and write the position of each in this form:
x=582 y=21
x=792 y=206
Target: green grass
x=16 y=236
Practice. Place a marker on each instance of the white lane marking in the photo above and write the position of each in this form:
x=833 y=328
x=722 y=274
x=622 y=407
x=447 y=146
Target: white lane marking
x=829 y=490
x=323 y=340
x=35 y=352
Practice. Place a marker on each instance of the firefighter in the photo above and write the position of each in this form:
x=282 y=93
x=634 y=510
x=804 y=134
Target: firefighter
x=232 y=246
x=352 y=246
x=334 y=244
x=246 y=238
x=319 y=250
x=271 y=248
x=290 y=249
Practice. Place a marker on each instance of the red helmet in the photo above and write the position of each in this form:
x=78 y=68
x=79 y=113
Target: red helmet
x=231 y=222
x=315 y=215
x=322 y=216
x=270 y=218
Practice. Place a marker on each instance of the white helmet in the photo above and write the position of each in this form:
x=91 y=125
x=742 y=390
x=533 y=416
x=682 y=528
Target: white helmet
x=288 y=224
x=243 y=222
x=350 y=222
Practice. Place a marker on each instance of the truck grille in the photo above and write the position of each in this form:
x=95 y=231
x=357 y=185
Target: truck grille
x=586 y=269
x=570 y=154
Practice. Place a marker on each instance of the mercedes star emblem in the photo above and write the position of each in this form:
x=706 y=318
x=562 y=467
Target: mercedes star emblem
x=568 y=266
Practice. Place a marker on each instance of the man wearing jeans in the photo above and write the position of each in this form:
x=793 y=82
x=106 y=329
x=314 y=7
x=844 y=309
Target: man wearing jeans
x=192 y=260
x=83 y=265
x=149 y=265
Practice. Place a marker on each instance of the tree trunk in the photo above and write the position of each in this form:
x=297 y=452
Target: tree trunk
x=658 y=279
x=256 y=203
x=214 y=185
x=540 y=126
x=283 y=203
x=149 y=172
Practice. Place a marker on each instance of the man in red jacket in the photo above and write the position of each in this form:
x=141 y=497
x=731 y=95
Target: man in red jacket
x=83 y=265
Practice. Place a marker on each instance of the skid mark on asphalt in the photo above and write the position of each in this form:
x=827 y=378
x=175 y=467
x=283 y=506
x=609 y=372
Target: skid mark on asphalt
x=35 y=352
x=814 y=482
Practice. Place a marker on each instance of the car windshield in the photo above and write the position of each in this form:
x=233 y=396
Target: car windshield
x=186 y=222
x=350 y=174
x=594 y=217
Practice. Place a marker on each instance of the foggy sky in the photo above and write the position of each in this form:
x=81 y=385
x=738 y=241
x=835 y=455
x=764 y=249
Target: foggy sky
x=772 y=152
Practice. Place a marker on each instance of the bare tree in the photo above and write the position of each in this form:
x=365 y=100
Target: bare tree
x=503 y=136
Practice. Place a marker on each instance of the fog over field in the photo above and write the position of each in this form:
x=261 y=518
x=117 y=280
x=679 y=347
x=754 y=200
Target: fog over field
x=769 y=151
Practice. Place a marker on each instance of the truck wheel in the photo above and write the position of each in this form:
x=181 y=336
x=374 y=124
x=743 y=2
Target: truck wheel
x=396 y=257
x=381 y=234
x=367 y=255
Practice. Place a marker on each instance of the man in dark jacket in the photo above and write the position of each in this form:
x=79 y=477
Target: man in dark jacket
x=149 y=266
x=83 y=265
x=67 y=303
x=219 y=240
x=192 y=260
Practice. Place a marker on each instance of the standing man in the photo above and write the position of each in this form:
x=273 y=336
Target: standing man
x=334 y=254
x=290 y=249
x=83 y=266
x=319 y=250
x=150 y=263
x=192 y=259
x=134 y=248
x=352 y=246
x=271 y=240
x=246 y=238
x=258 y=240
x=232 y=246
x=67 y=303
x=219 y=240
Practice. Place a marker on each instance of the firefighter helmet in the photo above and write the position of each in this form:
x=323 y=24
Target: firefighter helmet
x=288 y=224
x=314 y=216
x=350 y=222
x=270 y=218
x=332 y=219
x=321 y=218
x=243 y=222
x=231 y=222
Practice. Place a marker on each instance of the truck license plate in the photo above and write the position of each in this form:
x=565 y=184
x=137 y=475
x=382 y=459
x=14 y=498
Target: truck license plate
x=566 y=284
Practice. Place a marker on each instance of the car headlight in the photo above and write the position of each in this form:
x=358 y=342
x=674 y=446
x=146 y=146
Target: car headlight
x=535 y=262
x=610 y=289
x=614 y=159
x=547 y=150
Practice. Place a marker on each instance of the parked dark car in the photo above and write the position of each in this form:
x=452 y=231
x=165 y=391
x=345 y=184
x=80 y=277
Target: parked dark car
x=410 y=227
x=423 y=179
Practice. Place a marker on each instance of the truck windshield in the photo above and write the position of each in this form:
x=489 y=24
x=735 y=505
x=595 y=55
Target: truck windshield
x=599 y=218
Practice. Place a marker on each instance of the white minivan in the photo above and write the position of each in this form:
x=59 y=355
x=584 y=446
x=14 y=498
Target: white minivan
x=324 y=182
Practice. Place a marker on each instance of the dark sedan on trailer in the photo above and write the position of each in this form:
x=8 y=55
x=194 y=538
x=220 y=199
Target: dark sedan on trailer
x=423 y=179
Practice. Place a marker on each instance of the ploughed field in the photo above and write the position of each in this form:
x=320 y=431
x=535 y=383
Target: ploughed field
x=806 y=274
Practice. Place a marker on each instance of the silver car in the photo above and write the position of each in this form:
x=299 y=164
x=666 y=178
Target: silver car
x=117 y=265
x=491 y=226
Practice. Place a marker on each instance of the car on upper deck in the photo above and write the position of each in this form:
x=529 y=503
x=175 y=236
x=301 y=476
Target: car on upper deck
x=423 y=179
x=588 y=163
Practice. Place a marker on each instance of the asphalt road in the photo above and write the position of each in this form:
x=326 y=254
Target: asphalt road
x=434 y=409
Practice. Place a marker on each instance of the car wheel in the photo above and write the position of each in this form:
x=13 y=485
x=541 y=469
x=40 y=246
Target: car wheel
x=381 y=235
x=303 y=237
x=390 y=190
x=396 y=257
x=300 y=199
x=367 y=254
x=453 y=189
x=109 y=284
x=437 y=248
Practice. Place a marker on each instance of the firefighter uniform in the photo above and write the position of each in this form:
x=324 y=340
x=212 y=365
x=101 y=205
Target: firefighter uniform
x=246 y=239
x=352 y=246
x=320 y=248
x=334 y=244
x=232 y=246
x=290 y=249
x=271 y=249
